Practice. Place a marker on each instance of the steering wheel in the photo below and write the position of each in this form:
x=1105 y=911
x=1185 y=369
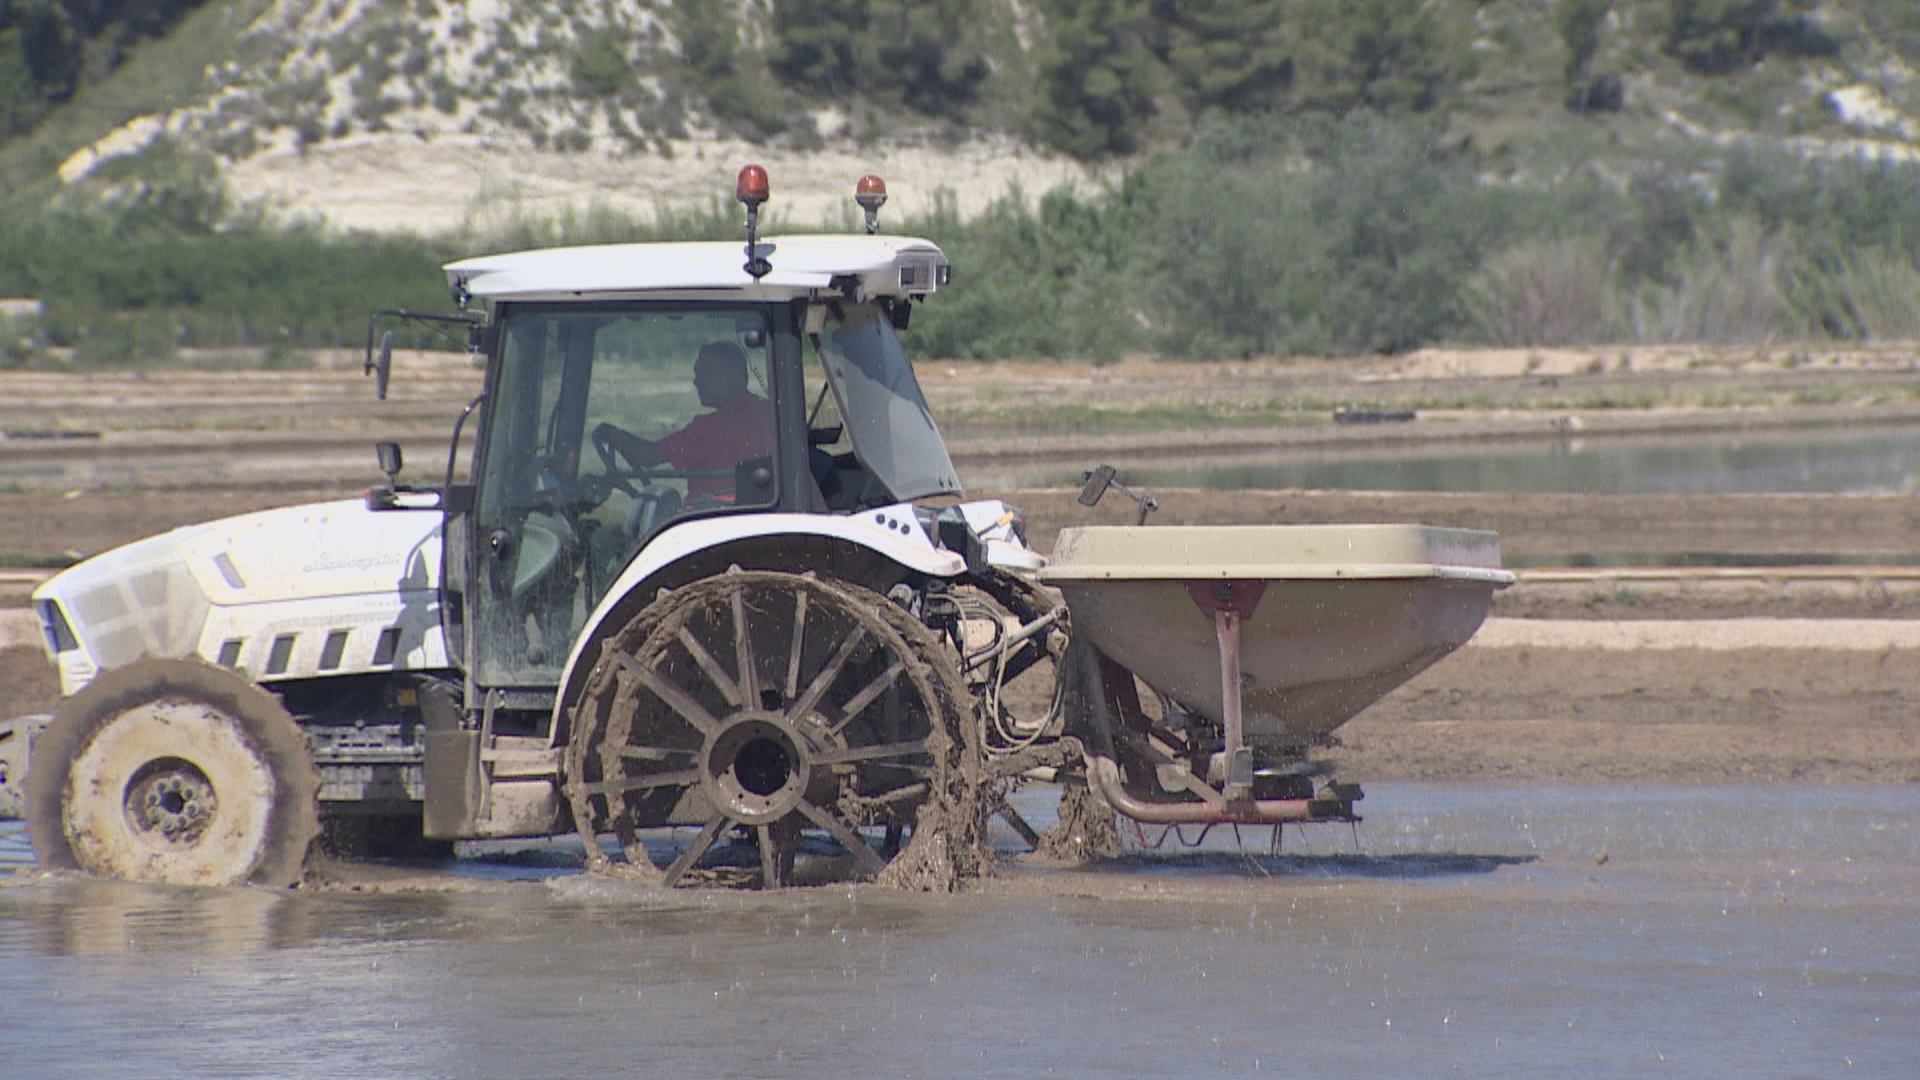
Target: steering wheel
x=620 y=477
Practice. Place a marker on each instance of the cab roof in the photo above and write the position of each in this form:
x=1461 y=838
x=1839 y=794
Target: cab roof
x=802 y=265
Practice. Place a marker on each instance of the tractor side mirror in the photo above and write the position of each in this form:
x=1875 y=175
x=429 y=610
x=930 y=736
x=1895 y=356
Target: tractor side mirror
x=383 y=366
x=1098 y=481
x=390 y=459
x=1102 y=478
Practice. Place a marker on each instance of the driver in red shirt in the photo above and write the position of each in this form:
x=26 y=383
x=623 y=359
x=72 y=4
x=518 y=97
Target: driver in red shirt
x=739 y=428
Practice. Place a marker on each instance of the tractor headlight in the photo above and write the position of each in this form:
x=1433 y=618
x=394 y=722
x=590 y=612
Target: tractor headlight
x=53 y=624
x=924 y=277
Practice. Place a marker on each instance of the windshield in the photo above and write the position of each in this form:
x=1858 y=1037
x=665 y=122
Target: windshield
x=886 y=418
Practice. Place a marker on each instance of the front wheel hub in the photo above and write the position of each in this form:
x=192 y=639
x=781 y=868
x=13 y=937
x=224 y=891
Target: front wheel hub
x=170 y=801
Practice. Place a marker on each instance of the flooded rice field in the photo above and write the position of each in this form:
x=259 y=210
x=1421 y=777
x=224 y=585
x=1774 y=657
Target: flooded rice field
x=1736 y=931
x=1864 y=458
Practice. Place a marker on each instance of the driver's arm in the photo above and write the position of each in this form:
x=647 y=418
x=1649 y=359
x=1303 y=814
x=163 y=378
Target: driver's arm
x=641 y=453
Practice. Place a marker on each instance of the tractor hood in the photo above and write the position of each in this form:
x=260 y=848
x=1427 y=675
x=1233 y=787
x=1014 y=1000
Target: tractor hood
x=257 y=592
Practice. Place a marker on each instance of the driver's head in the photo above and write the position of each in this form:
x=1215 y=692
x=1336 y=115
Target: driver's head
x=720 y=373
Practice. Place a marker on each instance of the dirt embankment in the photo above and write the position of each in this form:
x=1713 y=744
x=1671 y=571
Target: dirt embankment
x=1683 y=701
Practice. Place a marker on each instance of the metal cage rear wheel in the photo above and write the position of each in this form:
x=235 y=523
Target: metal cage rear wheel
x=769 y=703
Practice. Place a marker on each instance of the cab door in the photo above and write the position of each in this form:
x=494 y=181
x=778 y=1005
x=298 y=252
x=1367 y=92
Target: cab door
x=557 y=514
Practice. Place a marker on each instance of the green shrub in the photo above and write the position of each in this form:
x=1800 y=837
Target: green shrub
x=50 y=48
x=1544 y=293
x=749 y=103
x=20 y=342
x=1731 y=290
x=1311 y=234
x=600 y=66
x=135 y=281
x=1873 y=293
x=1050 y=282
x=123 y=340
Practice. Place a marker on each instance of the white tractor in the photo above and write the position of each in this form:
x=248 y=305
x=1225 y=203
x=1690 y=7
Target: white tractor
x=707 y=566
x=687 y=583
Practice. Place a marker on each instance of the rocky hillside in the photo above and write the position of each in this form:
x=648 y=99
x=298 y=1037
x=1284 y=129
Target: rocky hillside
x=431 y=115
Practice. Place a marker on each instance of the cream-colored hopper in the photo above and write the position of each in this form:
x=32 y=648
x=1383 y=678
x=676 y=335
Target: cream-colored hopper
x=1278 y=633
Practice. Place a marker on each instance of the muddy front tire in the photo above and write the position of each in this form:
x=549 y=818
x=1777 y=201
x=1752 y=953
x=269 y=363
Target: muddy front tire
x=175 y=772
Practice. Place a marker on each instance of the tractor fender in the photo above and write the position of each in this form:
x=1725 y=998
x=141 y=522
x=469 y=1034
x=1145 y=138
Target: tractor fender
x=876 y=548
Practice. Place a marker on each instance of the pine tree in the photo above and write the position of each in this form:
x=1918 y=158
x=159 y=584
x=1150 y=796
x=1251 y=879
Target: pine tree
x=930 y=53
x=1579 y=23
x=709 y=47
x=1227 y=54
x=1716 y=36
x=1384 y=55
x=822 y=45
x=923 y=54
x=1096 y=78
x=49 y=47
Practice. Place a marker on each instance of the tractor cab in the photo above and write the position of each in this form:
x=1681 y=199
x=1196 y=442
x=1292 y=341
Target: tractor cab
x=636 y=389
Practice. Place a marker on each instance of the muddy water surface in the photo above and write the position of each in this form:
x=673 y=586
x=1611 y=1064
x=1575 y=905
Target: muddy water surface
x=1729 y=931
